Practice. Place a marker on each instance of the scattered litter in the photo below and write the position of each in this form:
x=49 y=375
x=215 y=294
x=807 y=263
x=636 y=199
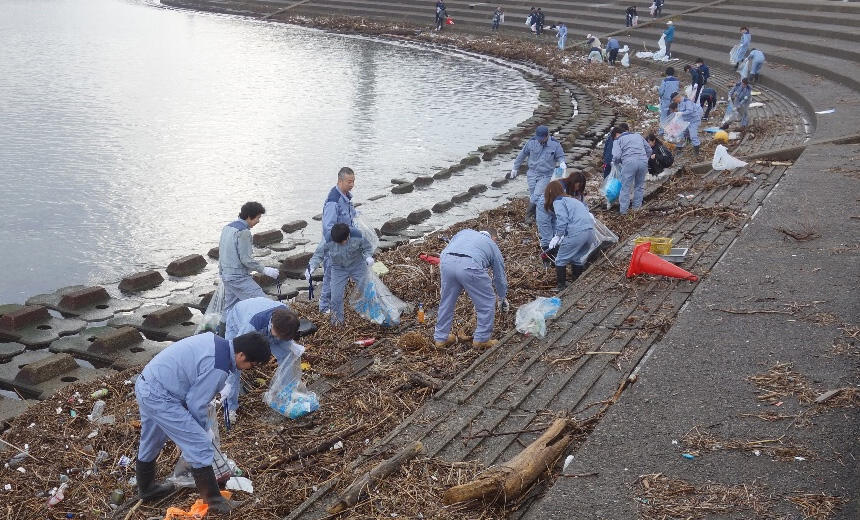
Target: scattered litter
x=240 y=484
x=337 y=446
x=653 y=108
x=723 y=161
x=92 y=434
x=59 y=410
x=675 y=441
x=712 y=129
x=733 y=136
x=755 y=93
x=7 y=487
x=756 y=104
x=98 y=394
x=828 y=111
x=379 y=268
x=117 y=497
x=688 y=456
x=531 y=317
x=305 y=366
x=567 y=462
x=366 y=342
x=757 y=453
x=800 y=459
x=21 y=469
x=124 y=461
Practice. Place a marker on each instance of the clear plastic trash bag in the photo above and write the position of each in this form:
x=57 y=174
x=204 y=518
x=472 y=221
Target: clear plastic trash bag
x=559 y=172
x=724 y=161
x=374 y=301
x=611 y=186
x=224 y=467
x=288 y=395
x=367 y=230
x=733 y=54
x=531 y=317
x=675 y=128
x=730 y=115
x=601 y=238
x=214 y=314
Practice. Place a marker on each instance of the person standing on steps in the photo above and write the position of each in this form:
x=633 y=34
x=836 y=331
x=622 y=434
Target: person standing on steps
x=539 y=21
x=669 y=34
x=741 y=95
x=630 y=12
x=463 y=266
x=692 y=114
x=743 y=46
x=658 y=8
x=612 y=47
x=631 y=152
x=668 y=87
x=707 y=97
x=704 y=72
x=545 y=154
x=236 y=258
x=756 y=62
x=337 y=208
x=696 y=80
x=573 y=231
x=562 y=35
x=498 y=18
x=173 y=393
x=441 y=14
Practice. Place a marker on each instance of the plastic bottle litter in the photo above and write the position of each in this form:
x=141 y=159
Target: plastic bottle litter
x=98 y=409
x=57 y=495
x=420 y=313
x=365 y=342
x=688 y=456
x=98 y=394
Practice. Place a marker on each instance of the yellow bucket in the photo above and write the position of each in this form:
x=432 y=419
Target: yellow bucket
x=659 y=245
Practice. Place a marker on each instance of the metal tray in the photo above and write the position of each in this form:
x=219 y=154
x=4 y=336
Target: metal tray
x=676 y=255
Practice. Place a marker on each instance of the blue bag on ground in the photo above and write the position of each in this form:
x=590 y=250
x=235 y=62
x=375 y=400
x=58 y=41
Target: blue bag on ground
x=288 y=395
x=374 y=301
x=531 y=317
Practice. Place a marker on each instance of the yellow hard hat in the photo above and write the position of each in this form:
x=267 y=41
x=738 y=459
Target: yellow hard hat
x=722 y=136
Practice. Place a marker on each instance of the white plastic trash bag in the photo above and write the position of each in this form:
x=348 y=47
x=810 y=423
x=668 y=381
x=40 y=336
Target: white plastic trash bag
x=375 y=302
x=730 y=115
x=625 y=60
x=224 y=467
x=644 y=54
x=214 y=314
x=733 y=54
x=675 y=128
x=531 y=317
x=287 y=393
x=660 y=55
x=601 y=238
x=689 y=92
x=367 y=230
x=724 y=161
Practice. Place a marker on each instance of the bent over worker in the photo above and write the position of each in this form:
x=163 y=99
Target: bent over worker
x=544 y=154
x=236 y=260
x=350 y=255
x=464 y=264
x=173 y=393
x=274 y=321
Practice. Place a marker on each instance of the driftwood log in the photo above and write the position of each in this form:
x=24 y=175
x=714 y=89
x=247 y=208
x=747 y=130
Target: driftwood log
x=510 y=479
x=357 y=489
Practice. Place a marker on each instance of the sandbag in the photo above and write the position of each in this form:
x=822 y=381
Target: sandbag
x=214 y=314
x=724 y=161
x=373 y=301
x=531 y=317
x=288 y=395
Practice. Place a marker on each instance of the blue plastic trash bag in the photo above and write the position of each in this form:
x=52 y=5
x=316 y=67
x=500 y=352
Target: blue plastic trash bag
x=288 y=395
x=531 y=317
x=373 y=301
x=611 y=186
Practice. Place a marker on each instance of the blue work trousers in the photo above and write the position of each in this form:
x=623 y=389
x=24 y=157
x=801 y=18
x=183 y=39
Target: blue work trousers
x=238 y=289
x=632 y=175
x=339 y=278
x=458 y=274
x=692 y=132
x=574 y=248
x=163 y=417
x=545 y=224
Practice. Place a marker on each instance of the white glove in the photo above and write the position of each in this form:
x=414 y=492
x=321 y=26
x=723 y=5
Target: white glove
x=369 y=261
x=554 y=242
x=233 y=416
x=504 y=305
x=271 y=272
x=513 y=174
x=308 y=274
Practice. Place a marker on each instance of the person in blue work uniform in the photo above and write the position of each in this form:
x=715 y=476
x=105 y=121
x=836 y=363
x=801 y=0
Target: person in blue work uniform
x=236 y=260
x=464 y=263
x=696 y=80
x=741 y=95
x=612 y=47
x=667 y=90
x=631 y=152
x=337 y=208
x=691 y=113
x=574 y=227
x=607 y=153
x=350 y=255
x=707 y=100
x=173 y=394
x=562 y=35
x=669 y=34
x=276 y=322
x=704 y=75
x=545 y=155
x=743 y=46
x=756 y=62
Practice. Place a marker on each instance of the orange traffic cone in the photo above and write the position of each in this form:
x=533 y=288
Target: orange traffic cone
x=646 y=262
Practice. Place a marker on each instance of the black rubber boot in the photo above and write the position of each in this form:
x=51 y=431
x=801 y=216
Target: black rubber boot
x=530 y=214
x=147 y=489
x=560 y=278
x=696 y=151
x=207 y=485
x=576 y=271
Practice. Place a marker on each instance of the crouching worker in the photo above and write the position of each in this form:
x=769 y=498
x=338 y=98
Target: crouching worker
x=573 y=231
x=464 y=265
x=275 y=322
x=350 y=256
x=173 y=393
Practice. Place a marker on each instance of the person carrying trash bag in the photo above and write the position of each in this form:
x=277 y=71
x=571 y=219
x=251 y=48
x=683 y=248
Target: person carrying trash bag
x=236 y=260
x=740 y=50
x=574 y=186
x=463 y=266
x=669 y=35
x=740 y=95
x=173 y=393
x=337 y=208
x=668 y=88
x=545 y=154
x=573 y=230
x=631 y=152
x=272 y=319
x=350 y=255
x=691 y=113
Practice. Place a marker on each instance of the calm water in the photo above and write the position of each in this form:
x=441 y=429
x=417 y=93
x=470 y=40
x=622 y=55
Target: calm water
x=129 y=134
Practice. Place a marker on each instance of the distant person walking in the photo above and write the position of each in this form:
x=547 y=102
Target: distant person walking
x=669 y=35
x=498 y=18
x=741 y=95
x=743 y=46
x=631 y=14
x=441 y=14
x=562 y=35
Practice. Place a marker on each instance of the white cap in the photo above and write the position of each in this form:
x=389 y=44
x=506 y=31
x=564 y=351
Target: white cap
x=669 y=22
x=589 y=36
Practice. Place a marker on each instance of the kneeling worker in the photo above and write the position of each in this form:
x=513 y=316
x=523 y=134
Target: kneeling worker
x=173 y=393
x=276 y=322
x=464 y=265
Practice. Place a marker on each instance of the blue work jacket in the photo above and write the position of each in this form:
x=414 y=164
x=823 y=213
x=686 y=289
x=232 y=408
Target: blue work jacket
x=235 y=251
x=630 y=147
x=484 y=251
x=543 y=158
x=337 y=209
